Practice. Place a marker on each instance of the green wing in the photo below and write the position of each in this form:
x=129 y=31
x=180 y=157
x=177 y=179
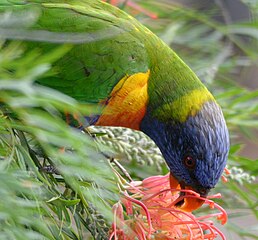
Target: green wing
x=108 y=45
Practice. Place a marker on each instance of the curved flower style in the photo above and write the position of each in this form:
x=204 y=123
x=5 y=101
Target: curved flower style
x=151 y=213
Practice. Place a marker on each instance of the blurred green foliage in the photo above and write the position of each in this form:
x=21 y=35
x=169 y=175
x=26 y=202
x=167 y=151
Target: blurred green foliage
x=35 y=140
x=74 y=202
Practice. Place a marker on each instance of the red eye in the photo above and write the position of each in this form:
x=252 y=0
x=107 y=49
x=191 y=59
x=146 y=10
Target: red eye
x=189 y=162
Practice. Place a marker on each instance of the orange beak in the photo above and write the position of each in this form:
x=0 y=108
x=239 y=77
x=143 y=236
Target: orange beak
x=188 y=204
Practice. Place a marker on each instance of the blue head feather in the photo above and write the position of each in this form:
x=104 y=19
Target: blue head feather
x=204 y=137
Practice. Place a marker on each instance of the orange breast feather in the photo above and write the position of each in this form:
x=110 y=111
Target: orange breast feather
x=127 y=102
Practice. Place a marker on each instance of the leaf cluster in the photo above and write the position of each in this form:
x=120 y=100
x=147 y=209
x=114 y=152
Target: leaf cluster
x=55 y=183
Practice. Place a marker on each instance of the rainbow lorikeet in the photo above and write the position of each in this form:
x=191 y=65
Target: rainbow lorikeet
x=139 y=82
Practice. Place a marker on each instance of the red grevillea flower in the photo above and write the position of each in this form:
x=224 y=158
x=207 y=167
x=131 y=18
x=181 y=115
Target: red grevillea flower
x=151 y=213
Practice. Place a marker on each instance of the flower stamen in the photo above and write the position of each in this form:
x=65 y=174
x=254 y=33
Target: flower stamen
x=152 y=213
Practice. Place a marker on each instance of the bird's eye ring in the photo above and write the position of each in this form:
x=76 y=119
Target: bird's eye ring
x=189 y=162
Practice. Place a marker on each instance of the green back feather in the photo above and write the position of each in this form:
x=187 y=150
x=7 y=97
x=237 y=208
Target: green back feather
x=90 y=70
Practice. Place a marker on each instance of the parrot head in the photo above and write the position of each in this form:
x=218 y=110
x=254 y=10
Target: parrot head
x=195 y=150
